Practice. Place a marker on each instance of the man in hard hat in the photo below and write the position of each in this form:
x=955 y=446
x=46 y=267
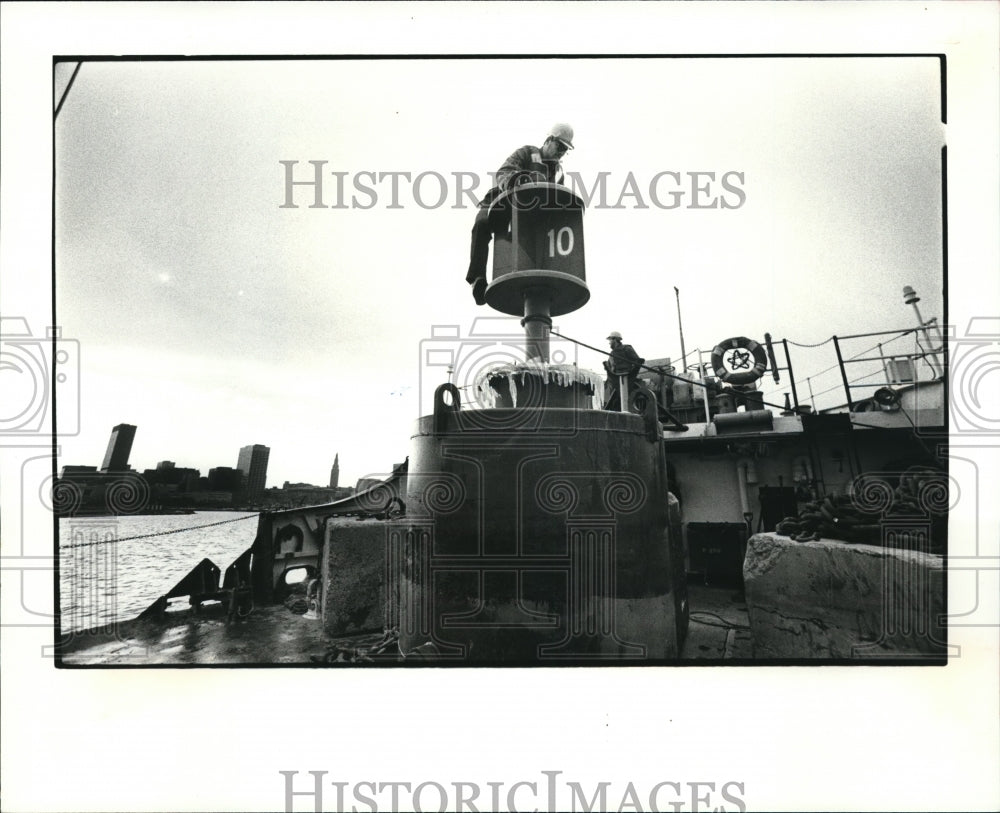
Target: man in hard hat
x=527 y=164
x=622 y=365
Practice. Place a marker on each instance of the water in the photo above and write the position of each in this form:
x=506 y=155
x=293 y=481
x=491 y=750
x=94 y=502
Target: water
x=118 y=577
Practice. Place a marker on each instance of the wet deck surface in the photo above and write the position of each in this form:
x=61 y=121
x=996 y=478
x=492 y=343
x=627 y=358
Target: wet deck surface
x=271 y=635
x=719 y=626
x=718 y=631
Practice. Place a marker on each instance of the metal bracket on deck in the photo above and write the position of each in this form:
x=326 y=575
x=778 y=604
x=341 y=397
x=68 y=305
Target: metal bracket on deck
x=642 y=401
x=442 y=409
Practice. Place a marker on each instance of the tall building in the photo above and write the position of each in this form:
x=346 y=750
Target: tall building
x=183 y=478
x=71 y=472
x=335 y=472
x=253 y=465
x=223 y=478
x=119 y=448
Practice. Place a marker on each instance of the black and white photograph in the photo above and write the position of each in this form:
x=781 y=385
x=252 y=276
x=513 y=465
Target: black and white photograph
x=268 y=270
x=476 y=420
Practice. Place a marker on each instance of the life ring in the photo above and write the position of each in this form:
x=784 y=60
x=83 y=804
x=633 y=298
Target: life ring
x=743 y=348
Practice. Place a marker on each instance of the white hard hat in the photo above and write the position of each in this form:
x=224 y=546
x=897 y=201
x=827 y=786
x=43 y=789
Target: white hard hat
x=563 y=133
x=614 y=334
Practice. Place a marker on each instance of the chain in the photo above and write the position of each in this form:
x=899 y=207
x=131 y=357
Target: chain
x=160 y=533
x=818 y=344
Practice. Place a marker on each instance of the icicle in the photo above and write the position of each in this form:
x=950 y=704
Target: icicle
x=486 y=394
x=513 y=377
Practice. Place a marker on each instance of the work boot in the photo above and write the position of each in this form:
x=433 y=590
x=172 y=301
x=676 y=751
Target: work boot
x=479 y=291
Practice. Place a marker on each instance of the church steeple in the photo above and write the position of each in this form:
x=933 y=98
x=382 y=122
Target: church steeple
x=335 y=472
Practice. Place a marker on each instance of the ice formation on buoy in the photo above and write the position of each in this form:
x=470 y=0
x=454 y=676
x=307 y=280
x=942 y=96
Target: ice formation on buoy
x=512 y=376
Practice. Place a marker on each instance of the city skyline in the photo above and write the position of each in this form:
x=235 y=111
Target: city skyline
x=123 y=436
x=152 y=457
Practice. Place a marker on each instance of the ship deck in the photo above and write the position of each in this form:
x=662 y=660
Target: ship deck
x=274 y=636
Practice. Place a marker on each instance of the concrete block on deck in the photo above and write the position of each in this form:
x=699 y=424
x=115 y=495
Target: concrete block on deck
x=354 y=576
x=828 y=599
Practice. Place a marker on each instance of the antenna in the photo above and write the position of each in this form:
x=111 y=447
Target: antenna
x=680 y=327
x=910 y=298
x=65 y=92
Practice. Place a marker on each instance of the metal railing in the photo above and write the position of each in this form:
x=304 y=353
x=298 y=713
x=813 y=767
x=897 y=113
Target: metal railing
x=921 y=363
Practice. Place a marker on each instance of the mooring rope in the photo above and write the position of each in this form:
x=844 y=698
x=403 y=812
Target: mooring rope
x=159 y=533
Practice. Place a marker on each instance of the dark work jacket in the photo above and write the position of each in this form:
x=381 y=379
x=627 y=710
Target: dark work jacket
x=526 y=160
x=624 y=360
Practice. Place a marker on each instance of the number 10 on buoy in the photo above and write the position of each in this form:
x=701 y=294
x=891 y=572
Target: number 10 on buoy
x=560 y=241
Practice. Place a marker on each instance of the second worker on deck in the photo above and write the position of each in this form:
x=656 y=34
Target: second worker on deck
x=622 y=365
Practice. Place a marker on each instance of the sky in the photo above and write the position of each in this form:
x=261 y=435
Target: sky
x=212 y=316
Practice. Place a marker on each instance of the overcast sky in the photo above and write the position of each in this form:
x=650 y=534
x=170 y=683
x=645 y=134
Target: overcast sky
x=211 y=317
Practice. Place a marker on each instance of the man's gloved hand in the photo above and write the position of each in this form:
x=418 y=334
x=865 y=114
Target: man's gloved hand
x=516 y=180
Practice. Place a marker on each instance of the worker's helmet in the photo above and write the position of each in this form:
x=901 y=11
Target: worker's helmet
x=614 y=334
x=563 y=133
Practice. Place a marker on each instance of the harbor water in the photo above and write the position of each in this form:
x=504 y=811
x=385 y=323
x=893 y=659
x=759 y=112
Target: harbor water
x=107 y=575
